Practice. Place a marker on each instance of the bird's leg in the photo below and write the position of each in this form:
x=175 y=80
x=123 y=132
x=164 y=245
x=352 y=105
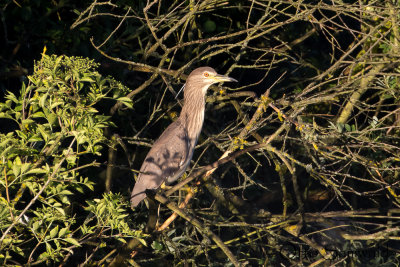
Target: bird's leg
x=164 y=186
x=153 y=218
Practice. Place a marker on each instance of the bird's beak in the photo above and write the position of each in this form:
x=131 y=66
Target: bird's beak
x=222 y=78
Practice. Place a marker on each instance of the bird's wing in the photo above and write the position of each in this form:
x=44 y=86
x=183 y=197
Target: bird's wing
x=166 y=159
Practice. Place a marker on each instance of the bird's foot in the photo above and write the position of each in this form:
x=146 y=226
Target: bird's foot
x=165 y=187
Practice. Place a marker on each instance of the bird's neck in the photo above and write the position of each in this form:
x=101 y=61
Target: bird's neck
x=192 y=115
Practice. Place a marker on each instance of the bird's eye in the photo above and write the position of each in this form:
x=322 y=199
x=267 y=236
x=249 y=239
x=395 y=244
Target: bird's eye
x=206 y=74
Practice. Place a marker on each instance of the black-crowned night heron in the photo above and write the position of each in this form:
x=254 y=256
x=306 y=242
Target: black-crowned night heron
x=170 y=155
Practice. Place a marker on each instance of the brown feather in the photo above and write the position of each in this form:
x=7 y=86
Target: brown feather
x=165 y=161
x=170 y=155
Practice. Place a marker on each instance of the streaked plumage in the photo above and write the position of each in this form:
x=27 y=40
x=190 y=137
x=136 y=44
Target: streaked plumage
x=170 y=155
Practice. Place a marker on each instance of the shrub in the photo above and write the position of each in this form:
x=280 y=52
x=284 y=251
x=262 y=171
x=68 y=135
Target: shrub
x=56 y=132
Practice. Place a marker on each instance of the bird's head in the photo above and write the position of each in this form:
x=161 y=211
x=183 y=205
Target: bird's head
x=201 y=78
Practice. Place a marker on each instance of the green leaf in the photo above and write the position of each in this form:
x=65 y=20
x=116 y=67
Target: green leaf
x=19 y=251
x=49 y=249
x=72 y=241
x=101 y=208
x=43 y=100
x=121 y=240
x=157 y=245
x=35 y=226
x=12 y=97
x=43 y=132
x=44 y=256
x=66 y=192
x=55 y=104
x=122 y=216
x=25 y=167
x=27 y=121
x=54 y=232
x=16 y=170
x=21 y=134
x=86 y=79
x=52 y=118
x=5 y=116
x=36 y=171
x=126 y=101
x=35 y=138
x=38 y=114
x=62 y=232
x=143 y=241
x=340 y=127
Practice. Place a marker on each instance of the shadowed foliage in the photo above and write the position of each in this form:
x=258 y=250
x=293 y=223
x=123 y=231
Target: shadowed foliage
x=297 y=163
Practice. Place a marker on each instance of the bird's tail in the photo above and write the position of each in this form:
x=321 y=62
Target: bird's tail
x=137 y=196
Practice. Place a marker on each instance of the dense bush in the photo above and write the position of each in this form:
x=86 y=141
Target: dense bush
x=58 y=134
x=309 y=136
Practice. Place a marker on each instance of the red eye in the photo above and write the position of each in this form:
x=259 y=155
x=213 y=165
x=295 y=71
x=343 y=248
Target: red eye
x=206 y=74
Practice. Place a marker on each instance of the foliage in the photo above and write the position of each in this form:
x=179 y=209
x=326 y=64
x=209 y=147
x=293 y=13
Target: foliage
x=312 y=130
x=43 y=161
